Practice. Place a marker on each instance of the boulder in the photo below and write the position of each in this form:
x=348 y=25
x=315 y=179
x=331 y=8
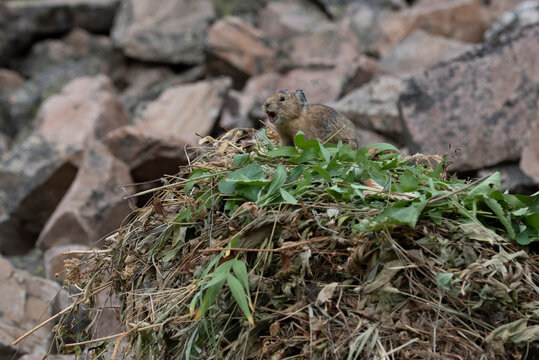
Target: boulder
x=34 y=176
x=18 y=108
x=320 y=85
x=5 y=144
x=52 y=17
x=513 y=179
x=374 y=106
x=524 y=14
x=185 y=111
x=172 y=33
x=419 y=51
x=10 y=81
x=282 y=20
x=87 y=107
x=237 y=47
x=462 y=20
x=25 y=301
x=483 y=103
x=148 y=83
x=94 y=204
x=244 y=109
x=136 y=147
x=78 y=45
x=529 y=162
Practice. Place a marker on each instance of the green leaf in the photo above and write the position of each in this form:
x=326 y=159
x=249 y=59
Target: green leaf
x=486 y=186
x=279 y=177
x=287 y=197
x=240 y=270
x=498 y=211
x=240 y=296
x=185 y=214
x=437 y=172
x=239 y=160
x=380 y=147
x=306 y=155
x=323 y=172
x=408 y=181
x=402 y=213
x=444 y=280
x=283 y=151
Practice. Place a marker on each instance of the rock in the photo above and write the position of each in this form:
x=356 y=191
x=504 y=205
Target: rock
x=136 y=147
x=10 y=81
x=328 y=84
x=54 y=261
x=52 y=17
x=457 y=19
x=496 y=8
x=183 y=111
x=5 y=144
x=374 y=106
x=136 y=96
x=524 y=14
x=245 y=109
x=172 y=32
x=513 y=179
x=13 y=36
x=241 y=8
x=359 y=72
x=34 y=177
x=378 y=29
x=87 y=107
x=94 y=204
x=231 y=116
x=281 y=20
x=76 y=46
x=49 y=357
x=419 y=51
x=482 y=103
x=24 y=302
x=21 y=105
x=529 y=162
x=235 y=44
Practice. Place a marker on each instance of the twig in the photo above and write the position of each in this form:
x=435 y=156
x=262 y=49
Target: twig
x=29 y=332
x=70 y=252
x=291 y=246
x=431 y=200
x=401 y=347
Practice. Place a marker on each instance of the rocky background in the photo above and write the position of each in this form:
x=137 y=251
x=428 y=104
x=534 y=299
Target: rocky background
x=98 y=95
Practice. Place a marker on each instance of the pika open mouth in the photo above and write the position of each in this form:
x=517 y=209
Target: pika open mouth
x=272 y=116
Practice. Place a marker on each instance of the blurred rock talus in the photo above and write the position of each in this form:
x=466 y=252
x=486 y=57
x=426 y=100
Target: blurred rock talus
x=483 y=102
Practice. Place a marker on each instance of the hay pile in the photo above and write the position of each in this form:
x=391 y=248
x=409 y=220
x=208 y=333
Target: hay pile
x=316 y=252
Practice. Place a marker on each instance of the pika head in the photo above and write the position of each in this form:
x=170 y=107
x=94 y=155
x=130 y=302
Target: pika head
x=284 y=106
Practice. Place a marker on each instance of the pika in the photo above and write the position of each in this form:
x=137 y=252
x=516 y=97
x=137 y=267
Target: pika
x=290 y=113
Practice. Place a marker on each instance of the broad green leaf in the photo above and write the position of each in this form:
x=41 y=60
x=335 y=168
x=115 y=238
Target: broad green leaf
x=486 y=187
x=380 y=147
x=437 y=173
x=240 y=296
x=323 y=172
x=283 y=151
x=279 y=177
x=239 y=160
x=185 y=214
x=287 y=197
x=444 y=280
x=402 y=213
x=240 y=270
x=408 y=181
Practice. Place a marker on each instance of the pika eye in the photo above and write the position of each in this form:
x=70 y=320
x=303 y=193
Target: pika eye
x=281 y=98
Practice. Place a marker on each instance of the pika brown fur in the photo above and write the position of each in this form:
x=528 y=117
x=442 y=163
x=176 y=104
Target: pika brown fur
x=290 y=113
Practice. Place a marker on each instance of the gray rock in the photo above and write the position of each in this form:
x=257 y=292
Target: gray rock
x=374 y=106
x=94 y=205
x=51 y=17
x=512 y=179
x=173 y=32
x=419 y=51
x=25 y=300
x=524 y=14
x=483 y=103
x=34 y=177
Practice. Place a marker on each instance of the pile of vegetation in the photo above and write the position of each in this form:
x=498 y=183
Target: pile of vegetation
x=316 y=252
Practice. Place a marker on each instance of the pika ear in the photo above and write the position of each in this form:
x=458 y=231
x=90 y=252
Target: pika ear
x=283 y=91
x=301 y=97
